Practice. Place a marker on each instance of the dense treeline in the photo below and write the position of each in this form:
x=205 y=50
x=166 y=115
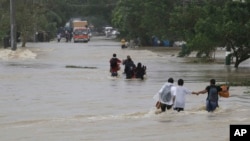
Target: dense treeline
x=203 y=24
x=48 y=15
x=144 y=18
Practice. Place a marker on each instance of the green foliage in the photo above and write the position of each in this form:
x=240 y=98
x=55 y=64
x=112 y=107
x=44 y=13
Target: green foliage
x=96 y=12
x=126 y=15
x=143 y=18
x=239 y=83
x=4 y=19
x=203 y=24
x=200 y=26
x=237 y=29
x=214 y=24
x=48 y=15
x=184 y=51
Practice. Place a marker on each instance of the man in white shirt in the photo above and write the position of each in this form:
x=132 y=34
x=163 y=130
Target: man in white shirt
x=180 y=96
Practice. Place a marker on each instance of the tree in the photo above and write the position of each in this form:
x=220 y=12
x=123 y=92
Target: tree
x=216 y=24
x=127 y=17
x=48 y=15
x=237 y=30
x=97 y=12
x=208 y=34
x=156 y=18
x=4 y=18
x=143 y=18
x=183 y=19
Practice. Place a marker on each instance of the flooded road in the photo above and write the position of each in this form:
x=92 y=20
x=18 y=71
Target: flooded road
x=42 y=99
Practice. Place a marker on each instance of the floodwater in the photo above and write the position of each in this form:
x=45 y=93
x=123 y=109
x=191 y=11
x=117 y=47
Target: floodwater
x=42 y=99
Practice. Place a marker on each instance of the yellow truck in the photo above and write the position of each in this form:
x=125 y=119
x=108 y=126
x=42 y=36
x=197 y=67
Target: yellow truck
x=80 y=31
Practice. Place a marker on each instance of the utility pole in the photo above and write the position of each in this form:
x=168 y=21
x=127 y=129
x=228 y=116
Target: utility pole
x=13 y=25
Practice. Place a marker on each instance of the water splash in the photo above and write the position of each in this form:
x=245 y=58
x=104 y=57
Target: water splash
x=22 y=54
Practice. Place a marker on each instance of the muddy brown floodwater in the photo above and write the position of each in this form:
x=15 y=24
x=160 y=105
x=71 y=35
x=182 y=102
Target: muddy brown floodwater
x=43 y=99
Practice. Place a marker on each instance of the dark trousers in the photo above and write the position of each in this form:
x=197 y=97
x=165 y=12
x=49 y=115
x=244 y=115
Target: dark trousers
x=179 y=109
x=164 y=106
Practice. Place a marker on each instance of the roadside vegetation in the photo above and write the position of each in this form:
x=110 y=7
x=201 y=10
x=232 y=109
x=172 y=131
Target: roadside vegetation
x=202 y=24
x=238 y=83
x=48 y=16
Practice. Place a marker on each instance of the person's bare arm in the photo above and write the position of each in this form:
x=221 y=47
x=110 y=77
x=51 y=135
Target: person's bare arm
x=202 y=92
x=195 y=93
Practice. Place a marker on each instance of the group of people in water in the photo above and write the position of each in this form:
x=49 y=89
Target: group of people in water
x=130 y=69
x=176 y=97
x=179 y=92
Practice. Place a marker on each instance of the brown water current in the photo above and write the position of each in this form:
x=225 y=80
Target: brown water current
x=43 y=99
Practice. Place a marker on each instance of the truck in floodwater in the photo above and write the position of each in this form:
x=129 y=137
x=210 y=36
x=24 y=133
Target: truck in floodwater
x=80 y=31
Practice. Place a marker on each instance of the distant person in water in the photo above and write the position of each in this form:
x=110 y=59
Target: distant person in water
x=140 y=71
x=58 y=37
x=123 y=43
x=129 y=67
x=114 y=65
x=126 y=62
